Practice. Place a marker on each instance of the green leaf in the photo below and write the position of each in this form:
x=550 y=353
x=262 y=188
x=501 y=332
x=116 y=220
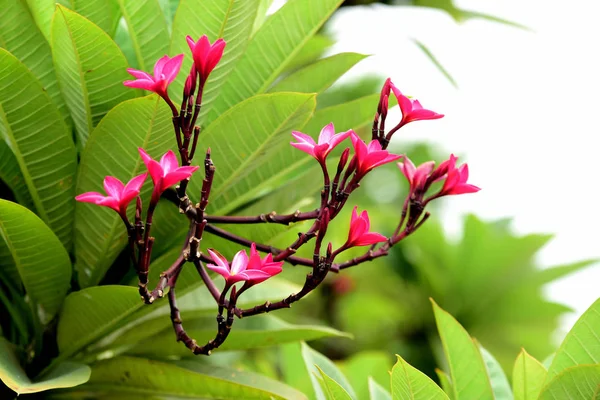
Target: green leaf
x=318 y=76
x=248 y=333
x=364 y=366
x=257 y=145
x=228 y=19
x=103 y=13
x=528 y=377
x=581 y=382
x=411 y=384
x=33 y=253
x=377 y=392
x=112 y=150
x=103 y=318
x=316 y=362
x=11 y=175
x=67 y=374
x=128 y=377
x=90 y=69
x=281 y=36
x=261 y=14
x=40 y=143
x=333 y=390
x=22 y=38
x=41 y=12
x=498 y=380
x=445 y=383
x=435 y=62
x=313 y=49
x=147 y=29
x=467 y=369
x=581 y=345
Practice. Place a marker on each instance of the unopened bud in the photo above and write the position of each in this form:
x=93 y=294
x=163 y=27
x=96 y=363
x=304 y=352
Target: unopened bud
x=385 y=92
x=343 y=160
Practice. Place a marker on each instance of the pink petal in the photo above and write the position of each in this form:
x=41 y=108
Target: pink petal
x=132 y=189
x=390 y=158
x=239 y=263
x=169 y=162
x=90 y=197
x=214 y=56
x=179 y=174
x=303 y=138
x=110 y=202
x=337 y=139
x=218 y=259
x=141 y=84
x=326 y=133
x=113 y=187
x=370 y=238
x=139 y=74
x=307 y=148
x=159 y=66
x=464 y=188
x=374 y=145
x=171 y=68
x=224 y=272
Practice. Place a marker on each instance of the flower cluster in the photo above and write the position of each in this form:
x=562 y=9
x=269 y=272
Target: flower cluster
x=245 y=271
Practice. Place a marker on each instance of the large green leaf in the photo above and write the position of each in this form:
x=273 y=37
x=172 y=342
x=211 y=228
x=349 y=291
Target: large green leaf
x=581 y=345
x=103 y=13
x=11 y=175
x=445 y=383
x=40 y=143
x=137 y=378
x=256 y=146
x=42 y=11
x=467 y=369
x=67 y=374
x=318 y=76
x=32 y=252
x=90 y=69
x=277 y=41
x=113 y=318
x=312 y=50
x=147 y=29
x=528 y=377
x=364 y=366
x=112 y=150
x=333 y=390
x=248 y=333
x=228 y=19
x=408 y=383
x=22 y=38
x=581 y=382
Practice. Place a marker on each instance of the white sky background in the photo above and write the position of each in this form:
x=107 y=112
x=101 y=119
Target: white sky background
x=525 y=116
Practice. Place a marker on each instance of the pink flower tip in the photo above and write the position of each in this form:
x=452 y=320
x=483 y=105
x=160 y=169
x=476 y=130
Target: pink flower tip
x=165 y=71
x=411 y=109
x=118 y=195
x=370 y=156
x=206 y=56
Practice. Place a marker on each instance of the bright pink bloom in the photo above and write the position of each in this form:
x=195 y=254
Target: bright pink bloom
x=371 y=156
x=417 y=177
x=206 y=56
x=327 y=142
x=238 y=271
x=265 y=265
x=165 y=173
x=456 y=181
x=359 y=234
x=119 y=195
x=165 y=71
x=412 y=110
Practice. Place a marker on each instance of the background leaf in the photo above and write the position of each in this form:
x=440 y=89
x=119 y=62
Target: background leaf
x=32 y=252
x=580 y=382
x=64 y=375
x=103 y=13
x=277 y=41
x=40 y=143
x=498 y=380
x=91 y=85
x=377 y=392
x=333 y=390
x=11 y=175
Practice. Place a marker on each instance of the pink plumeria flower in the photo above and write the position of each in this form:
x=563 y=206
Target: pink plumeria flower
x=206 y=56
x=238 y=271
x=411 y=109
x=327 y=142
x=359 y=234
x=119 y=195
x=417 y=177
x=165 y=71
x=165 y=173
x=456 y=181
x=369 y=157
x=265 y=265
